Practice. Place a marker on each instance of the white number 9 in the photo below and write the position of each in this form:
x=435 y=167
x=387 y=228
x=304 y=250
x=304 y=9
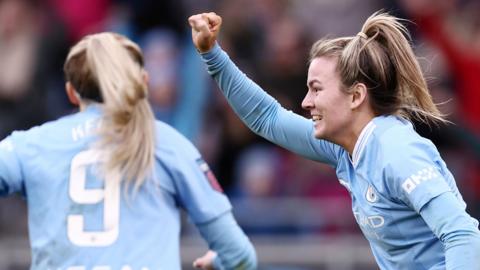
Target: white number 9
x=79 y=194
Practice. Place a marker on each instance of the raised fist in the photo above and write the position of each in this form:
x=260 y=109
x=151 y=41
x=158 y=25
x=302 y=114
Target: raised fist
x=205 y=28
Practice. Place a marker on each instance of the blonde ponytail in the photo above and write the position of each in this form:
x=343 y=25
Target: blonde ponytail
x=381 y=57
x=115 y=64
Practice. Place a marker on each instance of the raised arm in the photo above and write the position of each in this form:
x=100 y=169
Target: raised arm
x=258 y=110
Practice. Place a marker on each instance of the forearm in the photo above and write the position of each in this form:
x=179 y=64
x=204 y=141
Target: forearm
x=261 y=112
x=459 y=233
x=234 y=249
x=463 y=252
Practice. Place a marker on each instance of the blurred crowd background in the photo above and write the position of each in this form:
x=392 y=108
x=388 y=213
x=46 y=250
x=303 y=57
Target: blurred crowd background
x=295 y=211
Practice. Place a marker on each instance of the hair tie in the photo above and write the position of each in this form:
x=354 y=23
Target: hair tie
x=362 y=35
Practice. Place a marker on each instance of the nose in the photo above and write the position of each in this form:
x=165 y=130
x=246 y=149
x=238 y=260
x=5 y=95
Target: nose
x=307 y=103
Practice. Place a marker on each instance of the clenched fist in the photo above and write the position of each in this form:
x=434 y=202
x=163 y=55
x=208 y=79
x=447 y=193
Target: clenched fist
x=205 y=28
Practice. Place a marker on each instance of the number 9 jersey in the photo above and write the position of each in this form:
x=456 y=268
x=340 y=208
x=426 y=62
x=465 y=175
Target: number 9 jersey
x=78 y=221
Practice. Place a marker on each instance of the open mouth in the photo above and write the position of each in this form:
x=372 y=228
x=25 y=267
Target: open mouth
x=316 y=118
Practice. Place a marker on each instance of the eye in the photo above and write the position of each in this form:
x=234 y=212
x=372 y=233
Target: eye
x=314 y=88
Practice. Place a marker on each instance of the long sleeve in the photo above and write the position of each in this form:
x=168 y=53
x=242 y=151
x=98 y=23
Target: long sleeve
x=263 y=114
x=234 y=249
x=459 y=233
x=10 y=169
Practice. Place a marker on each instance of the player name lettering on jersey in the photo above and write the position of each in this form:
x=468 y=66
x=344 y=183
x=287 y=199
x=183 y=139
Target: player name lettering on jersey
x=419 y=177
x=6 y=145
x=85 y=129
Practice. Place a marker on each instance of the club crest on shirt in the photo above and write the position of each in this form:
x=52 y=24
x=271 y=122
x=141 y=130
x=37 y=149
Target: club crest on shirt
x=209 y=175
x=371 y=196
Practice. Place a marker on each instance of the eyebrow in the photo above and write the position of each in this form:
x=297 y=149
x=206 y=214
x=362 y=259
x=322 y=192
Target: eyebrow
x=310 y=83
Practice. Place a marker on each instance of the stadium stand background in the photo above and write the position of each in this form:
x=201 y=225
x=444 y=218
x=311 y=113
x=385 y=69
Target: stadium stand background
x=294 y=210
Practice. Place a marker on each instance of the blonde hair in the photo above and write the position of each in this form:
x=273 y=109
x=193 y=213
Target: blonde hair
x=381 y=57
x=108 y=68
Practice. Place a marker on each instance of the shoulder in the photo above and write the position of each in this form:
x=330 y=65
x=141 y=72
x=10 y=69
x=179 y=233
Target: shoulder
x=48 y=130
x=402 y=155
x=171 y=141
x=50 y=135
x=397 y=142
x=166 y=134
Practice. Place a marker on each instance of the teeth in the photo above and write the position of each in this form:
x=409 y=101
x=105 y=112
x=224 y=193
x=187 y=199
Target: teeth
x=316 y=117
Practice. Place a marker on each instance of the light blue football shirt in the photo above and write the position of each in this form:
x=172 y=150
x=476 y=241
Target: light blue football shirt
x=393 y=176
x=78 y=222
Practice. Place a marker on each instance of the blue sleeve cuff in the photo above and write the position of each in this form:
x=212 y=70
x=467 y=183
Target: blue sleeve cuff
x=215 y=59
x=215 y=50
x=217 y=263
x=234 y=249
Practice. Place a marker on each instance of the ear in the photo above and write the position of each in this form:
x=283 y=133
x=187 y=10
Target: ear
x=359 y=95
x=146 y=77
x=72 y=94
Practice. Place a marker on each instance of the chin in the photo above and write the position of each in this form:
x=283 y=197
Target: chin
x=318 y=134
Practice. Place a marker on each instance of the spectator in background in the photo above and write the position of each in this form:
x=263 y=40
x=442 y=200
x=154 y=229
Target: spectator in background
x=81 y=17
x=162 y=60
x=21 y=93
x=178 y=81
x=32 y=50
x=256 y=173
x=149 y=14
x=272 y=185
x=459 y=41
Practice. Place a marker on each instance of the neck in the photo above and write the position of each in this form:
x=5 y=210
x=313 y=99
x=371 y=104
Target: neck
x=356 y=128
x=84 y=104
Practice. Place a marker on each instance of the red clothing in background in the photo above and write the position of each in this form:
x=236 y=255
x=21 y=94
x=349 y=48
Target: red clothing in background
x=464 y=66
x=81 y=17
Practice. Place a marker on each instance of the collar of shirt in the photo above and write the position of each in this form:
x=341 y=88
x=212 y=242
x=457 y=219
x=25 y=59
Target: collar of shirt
x=361 y=142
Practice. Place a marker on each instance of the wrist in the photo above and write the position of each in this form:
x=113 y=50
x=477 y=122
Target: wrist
x=217 y=263
x=208 y=49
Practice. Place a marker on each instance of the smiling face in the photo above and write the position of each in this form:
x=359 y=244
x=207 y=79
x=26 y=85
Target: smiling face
x=329 y=105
